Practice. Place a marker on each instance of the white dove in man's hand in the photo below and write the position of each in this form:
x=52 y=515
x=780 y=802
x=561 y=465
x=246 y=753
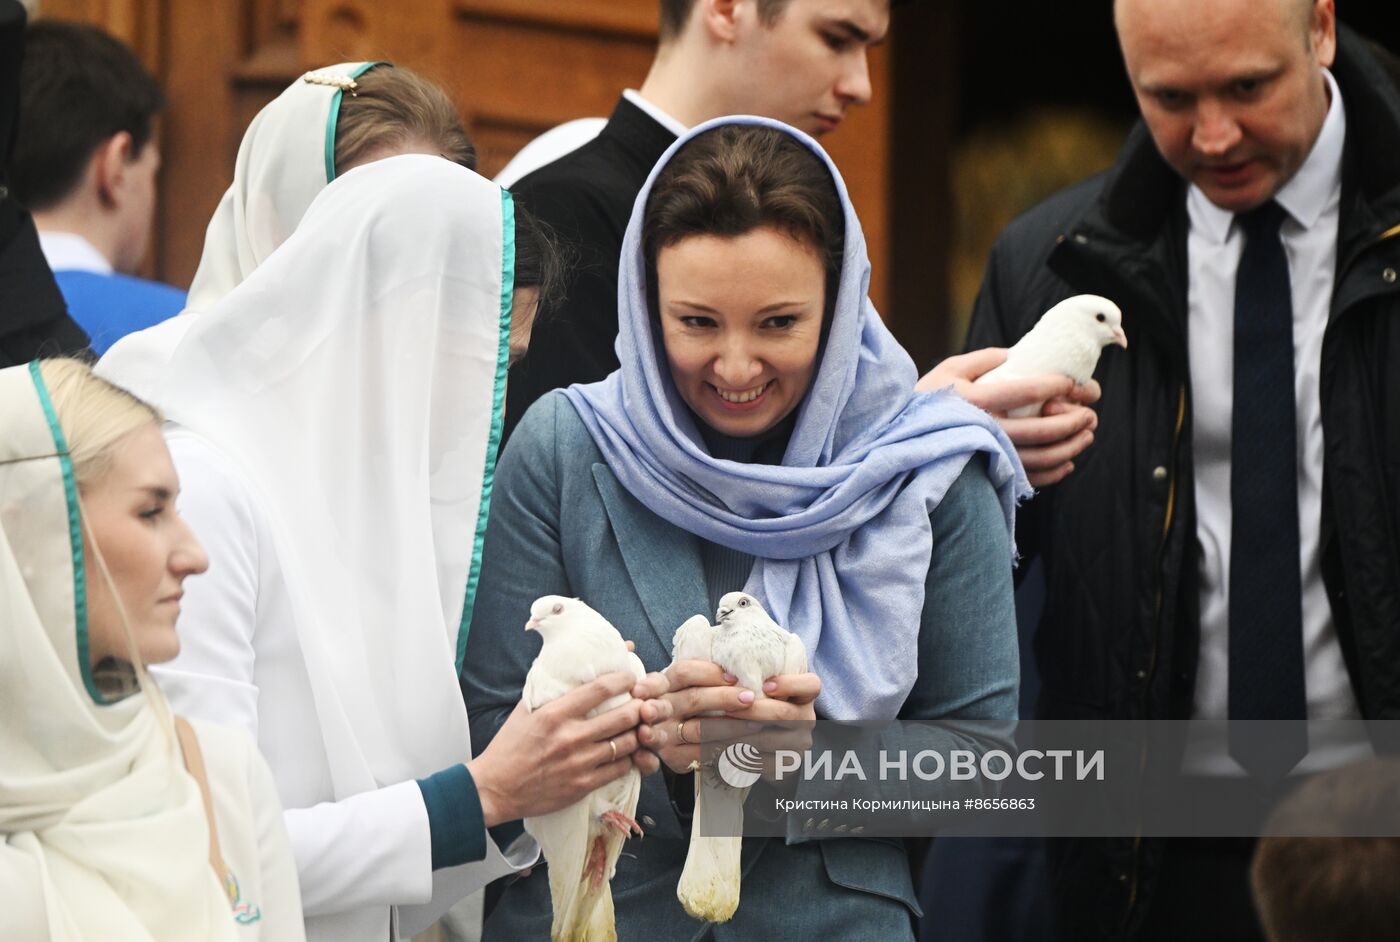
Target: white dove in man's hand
x=1066 y=340
x=747 y=643
x=581 y=842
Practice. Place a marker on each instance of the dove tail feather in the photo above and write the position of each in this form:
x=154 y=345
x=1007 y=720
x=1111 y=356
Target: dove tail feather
x=709 y=884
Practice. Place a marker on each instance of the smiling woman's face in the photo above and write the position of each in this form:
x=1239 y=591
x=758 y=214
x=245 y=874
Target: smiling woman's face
x=148 y=549
x=741 y=320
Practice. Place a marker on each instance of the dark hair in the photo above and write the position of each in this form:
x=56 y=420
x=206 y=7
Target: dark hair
x=1315 y=889
x=741 y=177
x=541 y=259
x=393 y=106
x=78 y=88
x=674 y=13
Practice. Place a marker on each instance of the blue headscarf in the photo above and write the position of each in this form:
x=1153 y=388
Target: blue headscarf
x=841 y=528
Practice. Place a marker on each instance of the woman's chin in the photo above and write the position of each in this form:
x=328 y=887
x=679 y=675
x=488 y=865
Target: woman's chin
x=738 y=426
x=160 y=646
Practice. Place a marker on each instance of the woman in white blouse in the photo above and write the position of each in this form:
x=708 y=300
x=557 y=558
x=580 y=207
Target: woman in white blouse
x=118 y=821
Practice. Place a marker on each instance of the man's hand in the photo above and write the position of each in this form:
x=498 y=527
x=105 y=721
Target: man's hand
x=1047 y=443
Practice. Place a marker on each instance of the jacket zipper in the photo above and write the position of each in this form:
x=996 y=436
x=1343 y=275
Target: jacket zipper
x=1167 y=520
x=1135 y=876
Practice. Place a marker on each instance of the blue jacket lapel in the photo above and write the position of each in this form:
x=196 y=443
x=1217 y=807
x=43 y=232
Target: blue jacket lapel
x=663 y=561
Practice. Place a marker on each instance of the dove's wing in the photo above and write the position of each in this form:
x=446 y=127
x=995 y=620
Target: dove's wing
x=543 y=685
x=693 y=639
x=634 y=666
x=564 y=841
x=794 y=655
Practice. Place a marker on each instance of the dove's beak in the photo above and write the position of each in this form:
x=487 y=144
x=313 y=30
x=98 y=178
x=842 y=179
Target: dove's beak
x=1120 y=338
x=532 y=625
x=723 y=613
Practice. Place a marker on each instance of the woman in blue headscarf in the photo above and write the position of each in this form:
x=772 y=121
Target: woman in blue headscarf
x=762 y=433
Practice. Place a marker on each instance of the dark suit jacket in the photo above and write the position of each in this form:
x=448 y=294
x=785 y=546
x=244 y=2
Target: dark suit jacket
x=34 y=320
x=586 y=196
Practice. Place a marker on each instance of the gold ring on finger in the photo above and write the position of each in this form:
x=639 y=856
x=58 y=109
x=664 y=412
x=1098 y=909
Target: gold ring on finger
x=613 y=746
x=680 y=733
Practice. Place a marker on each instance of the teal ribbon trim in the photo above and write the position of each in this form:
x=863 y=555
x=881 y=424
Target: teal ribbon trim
x=498 y=401
x=334 y=117
x=75 y=534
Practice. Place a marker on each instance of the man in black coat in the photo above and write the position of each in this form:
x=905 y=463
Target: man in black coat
x=34 y=320
x=1229 y=548
x=801 y=61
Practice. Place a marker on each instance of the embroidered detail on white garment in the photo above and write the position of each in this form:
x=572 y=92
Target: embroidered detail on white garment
x=243 y=913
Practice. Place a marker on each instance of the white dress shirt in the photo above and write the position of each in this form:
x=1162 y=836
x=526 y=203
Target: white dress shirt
x=570 y=136
x=656 y=114
x=68 y=251
x=1214 y=245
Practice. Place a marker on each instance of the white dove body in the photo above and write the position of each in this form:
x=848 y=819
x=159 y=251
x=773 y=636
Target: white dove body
x=581 y=843
x=1066 y=340
x=750 y=645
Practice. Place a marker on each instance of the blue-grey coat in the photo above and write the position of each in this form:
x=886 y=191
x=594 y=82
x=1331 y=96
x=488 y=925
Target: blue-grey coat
x=562 y=524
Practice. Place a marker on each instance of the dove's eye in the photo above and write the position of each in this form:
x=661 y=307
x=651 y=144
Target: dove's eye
x=1100 y=317
x=743 y=603
x=558 y=608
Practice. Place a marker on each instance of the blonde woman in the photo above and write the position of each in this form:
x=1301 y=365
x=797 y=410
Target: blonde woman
x=117 y=820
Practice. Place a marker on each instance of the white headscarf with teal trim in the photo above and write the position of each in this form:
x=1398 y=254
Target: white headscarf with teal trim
x=285 y=159
x=356 y=380
x=95 y=794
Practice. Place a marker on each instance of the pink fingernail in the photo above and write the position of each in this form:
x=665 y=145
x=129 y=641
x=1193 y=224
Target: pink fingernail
x=730 y=678
x=746 y=696
x=770 y=686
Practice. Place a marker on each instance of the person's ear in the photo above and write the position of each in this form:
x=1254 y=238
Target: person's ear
x=111 y=160
x=1322 y=30
x=721 y=19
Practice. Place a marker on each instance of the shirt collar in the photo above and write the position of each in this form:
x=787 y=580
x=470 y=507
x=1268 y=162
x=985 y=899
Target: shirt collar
x=655 y=113
x=68 y=251
x=1306 y=196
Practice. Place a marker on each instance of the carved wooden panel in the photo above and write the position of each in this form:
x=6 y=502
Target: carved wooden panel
x=517 y=68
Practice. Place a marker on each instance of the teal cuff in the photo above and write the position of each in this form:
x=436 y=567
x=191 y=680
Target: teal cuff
x=455 y=821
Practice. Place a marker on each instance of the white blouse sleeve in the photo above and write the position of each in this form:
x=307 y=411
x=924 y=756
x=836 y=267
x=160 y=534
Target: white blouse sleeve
x=368 y=850
x=212 y=678
x=372 y=849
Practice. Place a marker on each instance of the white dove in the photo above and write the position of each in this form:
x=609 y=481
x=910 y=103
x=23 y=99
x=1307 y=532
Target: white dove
x=750 y=645
x=1067 y=339
x=581 y=843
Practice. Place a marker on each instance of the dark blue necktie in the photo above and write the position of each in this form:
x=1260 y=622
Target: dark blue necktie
x=1266 y=614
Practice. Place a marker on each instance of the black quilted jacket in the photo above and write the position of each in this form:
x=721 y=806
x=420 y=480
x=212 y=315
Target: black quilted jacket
x=1119 y=634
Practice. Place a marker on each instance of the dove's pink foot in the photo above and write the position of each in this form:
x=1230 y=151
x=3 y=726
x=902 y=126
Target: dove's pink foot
x=622 y=822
